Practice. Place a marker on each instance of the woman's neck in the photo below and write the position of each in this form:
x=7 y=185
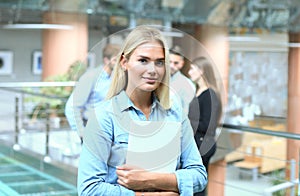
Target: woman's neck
x=142 y=100
x=202 y=86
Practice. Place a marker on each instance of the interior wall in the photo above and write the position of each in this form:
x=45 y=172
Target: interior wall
x=23 y=43
x=254 y=72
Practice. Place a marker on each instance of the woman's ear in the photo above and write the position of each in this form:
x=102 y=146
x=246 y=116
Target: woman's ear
x=123 y=62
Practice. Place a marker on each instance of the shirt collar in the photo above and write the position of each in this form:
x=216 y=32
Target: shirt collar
x=125 y=102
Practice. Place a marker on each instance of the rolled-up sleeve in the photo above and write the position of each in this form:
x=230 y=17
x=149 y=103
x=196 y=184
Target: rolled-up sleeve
x=95 y=175
x=92 y=178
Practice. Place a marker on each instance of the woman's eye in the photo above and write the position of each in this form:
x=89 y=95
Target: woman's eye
x=159 y=63
x=143 y=61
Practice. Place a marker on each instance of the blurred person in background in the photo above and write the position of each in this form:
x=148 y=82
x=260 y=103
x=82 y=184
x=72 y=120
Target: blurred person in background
x=182 y=87
x=91 y=88
x=205 y=109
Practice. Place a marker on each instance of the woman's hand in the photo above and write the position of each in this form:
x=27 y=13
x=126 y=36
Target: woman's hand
x=132 y=177
x=138 y=179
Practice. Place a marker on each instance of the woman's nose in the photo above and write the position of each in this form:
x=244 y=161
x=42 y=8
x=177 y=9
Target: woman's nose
x=151 y=66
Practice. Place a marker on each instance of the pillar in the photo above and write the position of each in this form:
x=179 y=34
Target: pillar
x=293 y=109
x=214 y=39
x=63 y=47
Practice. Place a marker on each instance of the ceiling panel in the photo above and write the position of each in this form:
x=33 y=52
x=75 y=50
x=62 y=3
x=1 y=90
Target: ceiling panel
x=273 y=15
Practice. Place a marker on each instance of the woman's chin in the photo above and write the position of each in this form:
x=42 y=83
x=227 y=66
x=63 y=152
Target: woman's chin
x=150 y=88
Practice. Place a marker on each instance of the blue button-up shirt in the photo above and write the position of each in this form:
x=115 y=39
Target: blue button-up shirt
x=106 y=141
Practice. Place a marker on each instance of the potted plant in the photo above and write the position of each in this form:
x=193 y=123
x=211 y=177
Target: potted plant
x=51 y=100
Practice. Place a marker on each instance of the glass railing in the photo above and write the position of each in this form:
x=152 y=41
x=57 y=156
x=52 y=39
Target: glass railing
x=256 y=156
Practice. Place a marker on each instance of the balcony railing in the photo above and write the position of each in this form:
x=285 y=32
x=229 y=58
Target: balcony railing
x=41 y=137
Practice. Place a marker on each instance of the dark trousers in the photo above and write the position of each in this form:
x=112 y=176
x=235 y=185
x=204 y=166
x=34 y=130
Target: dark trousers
x=205 y=159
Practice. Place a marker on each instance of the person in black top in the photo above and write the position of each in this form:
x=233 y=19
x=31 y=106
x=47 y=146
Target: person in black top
x=205 y=109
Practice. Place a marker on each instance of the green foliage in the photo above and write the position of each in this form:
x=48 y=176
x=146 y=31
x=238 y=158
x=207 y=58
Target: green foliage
x=55 y=96
x=76 y=70
x=278 y=177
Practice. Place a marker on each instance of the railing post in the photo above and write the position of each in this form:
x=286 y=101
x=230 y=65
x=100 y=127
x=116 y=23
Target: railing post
x=22 y=110
x=17 y=120
x=16 y=145
x=47 y=157
x=299 y=176
x=293 y=176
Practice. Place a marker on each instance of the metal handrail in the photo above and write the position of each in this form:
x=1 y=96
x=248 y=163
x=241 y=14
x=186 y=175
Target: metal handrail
x=13 y=87
x=291 y=184
x=263 y=131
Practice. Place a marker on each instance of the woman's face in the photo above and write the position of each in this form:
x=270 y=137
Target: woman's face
x=195 y=73
x=145 y=67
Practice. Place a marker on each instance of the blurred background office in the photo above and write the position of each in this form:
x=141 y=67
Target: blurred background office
x=45 y=45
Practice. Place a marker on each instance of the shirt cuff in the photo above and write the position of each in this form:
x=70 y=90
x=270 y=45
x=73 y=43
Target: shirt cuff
x=185 y=183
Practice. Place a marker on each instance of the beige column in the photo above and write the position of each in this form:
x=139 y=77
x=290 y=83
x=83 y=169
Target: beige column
x=293 y=111
x=214 y=40
x=62 y=47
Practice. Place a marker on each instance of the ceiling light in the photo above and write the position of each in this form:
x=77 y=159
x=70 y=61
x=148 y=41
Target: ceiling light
x=89 y=11
x=36 y=26
x=243 y=39
x=172 y=34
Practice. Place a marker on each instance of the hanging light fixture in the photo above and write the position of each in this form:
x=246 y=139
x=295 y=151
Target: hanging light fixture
x=37 y=26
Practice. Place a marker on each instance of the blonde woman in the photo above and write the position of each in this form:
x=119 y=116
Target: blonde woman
x=139 y=91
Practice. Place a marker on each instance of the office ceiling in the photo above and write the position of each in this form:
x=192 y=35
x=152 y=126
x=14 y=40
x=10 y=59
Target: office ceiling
x=271 y=15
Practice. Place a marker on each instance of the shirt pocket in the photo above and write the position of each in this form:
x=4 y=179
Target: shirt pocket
x=118 y=150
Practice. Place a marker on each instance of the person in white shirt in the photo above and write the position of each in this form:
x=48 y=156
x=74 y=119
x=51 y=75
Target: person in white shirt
x=182 y=88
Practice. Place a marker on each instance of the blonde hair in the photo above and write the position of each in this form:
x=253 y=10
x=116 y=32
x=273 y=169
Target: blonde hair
x=138 y=36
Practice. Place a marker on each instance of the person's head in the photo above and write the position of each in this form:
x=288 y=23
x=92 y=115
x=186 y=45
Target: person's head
x=202 y=72
x=176 y=59
x=109 y=54
x=143 y=65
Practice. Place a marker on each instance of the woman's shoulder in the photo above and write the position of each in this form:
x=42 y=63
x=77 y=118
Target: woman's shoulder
x=111 y=105
x=103 y=106
x=176 y=111
x=208 y=93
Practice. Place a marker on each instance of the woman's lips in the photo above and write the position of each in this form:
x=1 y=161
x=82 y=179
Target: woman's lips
x=150 y=80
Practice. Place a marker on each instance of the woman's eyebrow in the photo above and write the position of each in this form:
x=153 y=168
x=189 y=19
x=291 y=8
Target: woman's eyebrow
x=146 y=57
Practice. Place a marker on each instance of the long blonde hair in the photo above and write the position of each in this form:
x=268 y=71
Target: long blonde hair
x=141 y=35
